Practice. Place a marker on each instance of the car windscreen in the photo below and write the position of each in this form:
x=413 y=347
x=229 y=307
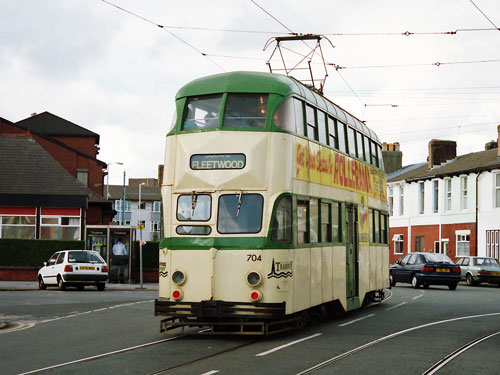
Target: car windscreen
x=439 y=258
x=84 y=257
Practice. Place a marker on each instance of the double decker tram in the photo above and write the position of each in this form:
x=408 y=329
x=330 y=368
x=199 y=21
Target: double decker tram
x=274 y=204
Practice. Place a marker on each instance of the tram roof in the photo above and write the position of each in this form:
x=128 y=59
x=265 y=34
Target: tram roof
x=259 y=82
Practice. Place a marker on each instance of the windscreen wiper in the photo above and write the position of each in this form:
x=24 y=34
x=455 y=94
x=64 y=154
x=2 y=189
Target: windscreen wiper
x=239 y=204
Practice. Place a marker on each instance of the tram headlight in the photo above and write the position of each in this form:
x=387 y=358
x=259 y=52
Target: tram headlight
x=254 y=279
x=179 y=277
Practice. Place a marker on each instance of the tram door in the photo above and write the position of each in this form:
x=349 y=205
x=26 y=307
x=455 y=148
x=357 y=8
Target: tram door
x=351 y=251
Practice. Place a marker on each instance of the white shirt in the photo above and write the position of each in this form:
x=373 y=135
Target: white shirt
x=119 y=249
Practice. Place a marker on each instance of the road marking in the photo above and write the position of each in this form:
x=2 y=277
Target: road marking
x=438 y=366
x=287 y=345
x=210 y=372
x=355 y=320
x=417 y=297
x=100 y=355
x=96 y=310
x=392 y=335
x=393 y=307
x=18 y=328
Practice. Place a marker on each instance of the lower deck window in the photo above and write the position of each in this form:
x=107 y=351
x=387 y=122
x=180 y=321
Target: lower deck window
x=240 y=213
x=281 y=231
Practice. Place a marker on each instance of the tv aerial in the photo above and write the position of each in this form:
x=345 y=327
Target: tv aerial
x=303 y=68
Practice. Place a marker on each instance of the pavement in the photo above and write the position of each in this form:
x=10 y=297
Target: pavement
x=33 y=285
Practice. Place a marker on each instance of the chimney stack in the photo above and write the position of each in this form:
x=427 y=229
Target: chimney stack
x=441 y=151
x=393 y=158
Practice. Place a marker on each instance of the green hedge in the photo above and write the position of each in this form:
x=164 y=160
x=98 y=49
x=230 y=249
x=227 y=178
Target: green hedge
x=150 y=255
x=32 y=253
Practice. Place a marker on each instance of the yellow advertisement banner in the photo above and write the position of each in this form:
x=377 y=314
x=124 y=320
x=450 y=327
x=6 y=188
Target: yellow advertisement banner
x=319 y=164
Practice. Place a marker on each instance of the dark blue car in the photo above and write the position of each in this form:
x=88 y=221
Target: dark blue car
x=425 y=269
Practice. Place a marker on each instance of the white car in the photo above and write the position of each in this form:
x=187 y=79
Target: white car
x=74 y=268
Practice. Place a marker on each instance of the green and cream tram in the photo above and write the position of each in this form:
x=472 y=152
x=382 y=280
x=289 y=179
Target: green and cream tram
x=274 y=207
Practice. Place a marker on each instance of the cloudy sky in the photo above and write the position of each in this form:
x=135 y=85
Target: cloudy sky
x=115 y=72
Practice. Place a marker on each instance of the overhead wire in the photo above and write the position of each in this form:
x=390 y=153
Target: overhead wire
x=484 y=14
x=165 y=29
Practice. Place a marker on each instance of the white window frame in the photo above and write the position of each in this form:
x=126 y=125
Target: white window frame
x=398 y=243
x=421 y=197
x=118 y=205
x=157 y=206
x=435 y=189
x=462 y=237
x=29 y=218
x=58 y=223
x=496 y=181
x=464 y=192
x=390 y=200
x=401 y=200
x=448 y=190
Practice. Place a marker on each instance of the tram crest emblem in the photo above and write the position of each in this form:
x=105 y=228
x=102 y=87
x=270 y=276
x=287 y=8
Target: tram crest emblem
x=163 y=269
x=280 y=270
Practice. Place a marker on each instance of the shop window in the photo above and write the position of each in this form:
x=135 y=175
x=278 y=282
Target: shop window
x=60 y=228
x=18 y=226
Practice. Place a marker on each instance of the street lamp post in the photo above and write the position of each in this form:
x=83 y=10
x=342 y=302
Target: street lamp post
x=122 y=216
x=140 y=232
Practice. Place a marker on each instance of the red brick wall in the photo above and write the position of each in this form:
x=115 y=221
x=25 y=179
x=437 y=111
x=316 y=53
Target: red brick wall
x=18 y=274
x=397 y=230
x=83 y=144
x=431 y=234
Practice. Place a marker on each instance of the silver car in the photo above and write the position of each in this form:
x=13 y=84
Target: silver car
x=476 y=270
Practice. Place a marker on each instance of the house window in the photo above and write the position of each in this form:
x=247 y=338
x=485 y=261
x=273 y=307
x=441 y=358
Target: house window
x=156 y=206
x=493 y=244
x=82 y=175
x=497 y=190
x=398 y=243
x=436 y=196
x=436 y=246
x=463 y=244
x=463 y=192
x=421 y=196
x=419 y=243
x=391 y=201
x=447 y=184
x=118 y=205
x=401 y=200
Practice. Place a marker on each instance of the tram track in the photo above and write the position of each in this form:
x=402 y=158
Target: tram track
x=402 y=332
x=450 y=357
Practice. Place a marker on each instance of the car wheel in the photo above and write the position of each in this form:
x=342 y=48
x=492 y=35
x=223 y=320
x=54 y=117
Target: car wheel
x=414 y=282
x=80 y=287
x=60 y=283
x=101 y=286
x=426 y=285
x=41 y=284
x=452 y=286
x=391 y=280
x=470 y=280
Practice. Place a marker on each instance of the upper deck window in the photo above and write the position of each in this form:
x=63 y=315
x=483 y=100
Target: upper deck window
x=245 y=111
x=194 y=207
x=284 y=117
x=240 y=213
x=202 y=112
x=312 y=131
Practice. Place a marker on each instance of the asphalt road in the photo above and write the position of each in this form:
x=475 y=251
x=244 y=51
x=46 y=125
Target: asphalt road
x=115 y=332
